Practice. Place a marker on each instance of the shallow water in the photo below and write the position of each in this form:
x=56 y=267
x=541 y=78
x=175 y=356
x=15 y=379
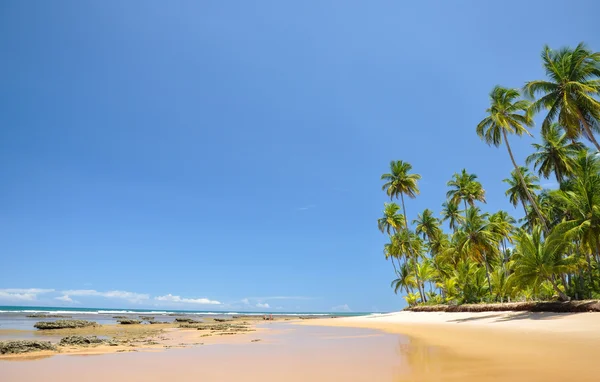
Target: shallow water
x=292 y=353
x=286 y=353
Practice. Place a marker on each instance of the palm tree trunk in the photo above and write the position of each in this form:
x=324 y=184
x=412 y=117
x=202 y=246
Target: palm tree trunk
x=421 y=292
x=394 y=264
x=587 y=129
x=561 y=294
x=487 y=273
x=518 y=170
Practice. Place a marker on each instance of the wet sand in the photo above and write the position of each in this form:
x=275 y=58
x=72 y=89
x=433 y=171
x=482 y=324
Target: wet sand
x=403 y=346
x=499 y=346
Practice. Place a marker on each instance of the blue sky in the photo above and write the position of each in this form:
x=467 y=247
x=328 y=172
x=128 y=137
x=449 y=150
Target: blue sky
x=227 y=155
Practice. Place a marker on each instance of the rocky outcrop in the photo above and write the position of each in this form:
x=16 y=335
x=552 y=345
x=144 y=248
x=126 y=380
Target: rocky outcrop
x=25 y=346
x=146 y=318
x=129 y=321
x=152 y=322
x=81 y=341
x=45 y=315
x=188 y=320
x=63 y=324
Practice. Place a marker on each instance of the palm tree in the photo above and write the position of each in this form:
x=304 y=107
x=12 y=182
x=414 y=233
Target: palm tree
x=508 y=114
x=516 y=193
x=466 y=188
x=406 y=243
x=427 y=225
x=400 y=182
x=555 y=155
x=404 y=281
x=451 y=213
x=538 y=260
x=391 y=221
x=477 y=239
x=581 y=201
x=570 y=92
x=503 y=226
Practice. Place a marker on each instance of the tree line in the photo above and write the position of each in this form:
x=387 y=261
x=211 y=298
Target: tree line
x=553 y=252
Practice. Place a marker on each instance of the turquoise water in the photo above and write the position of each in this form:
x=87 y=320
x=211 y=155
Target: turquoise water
x=64 y=310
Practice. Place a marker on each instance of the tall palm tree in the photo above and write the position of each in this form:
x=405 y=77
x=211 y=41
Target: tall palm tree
x=538 y=260
x=569 y=94
x=503 y=227
x=399 y=182
x=451 y=213
x=406 y=243
x=477 y=239
x=508 y=115
x=556 y=154
x=427 y=225
x=522 y=183
x=465 y=187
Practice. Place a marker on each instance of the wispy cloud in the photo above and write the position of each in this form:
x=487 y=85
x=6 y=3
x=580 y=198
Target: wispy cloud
x=304 y=208
x=17 y=294
x=66 y=298
x=341 y=308
x=178 y=299
x=263 y=306
x=118 y=294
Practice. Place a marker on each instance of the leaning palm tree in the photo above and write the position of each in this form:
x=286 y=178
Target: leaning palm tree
x=507 y=115
x=451 y=213
x=555 y=155
x=538 y=260
x=517 y=193
x=399 y=182
x=569 y=94
x=465 y=187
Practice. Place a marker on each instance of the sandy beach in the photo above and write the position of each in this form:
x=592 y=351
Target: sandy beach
x=493 y=346
x=403 y=346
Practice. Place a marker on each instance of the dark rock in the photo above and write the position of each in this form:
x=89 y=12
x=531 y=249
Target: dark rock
x=189 y=320
x=44 y=315
x=119 y=317
x=158 y=322
x=63 y=324
x=81 y=341
x=128 y=321
x=146 y=318
x=26 y=346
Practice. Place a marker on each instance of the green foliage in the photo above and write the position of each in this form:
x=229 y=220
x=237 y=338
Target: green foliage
x=555 y=254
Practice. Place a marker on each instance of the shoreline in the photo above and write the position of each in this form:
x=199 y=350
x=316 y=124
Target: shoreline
x=515 y=345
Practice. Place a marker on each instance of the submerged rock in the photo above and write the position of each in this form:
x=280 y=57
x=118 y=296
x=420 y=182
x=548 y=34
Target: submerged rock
x=63 y=324
x=81 y=341
x=188 y=320
x=152 y=322
x=146 y=318
x=119 y=317
x=25 y=346
x=129 y=321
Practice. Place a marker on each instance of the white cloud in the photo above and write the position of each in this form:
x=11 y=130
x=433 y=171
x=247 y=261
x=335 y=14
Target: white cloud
x=66 y=298
x=16 y=294
x=119 y=294
x=341 y=308
x=263 y=306
x=178 y=299
x=245 y=301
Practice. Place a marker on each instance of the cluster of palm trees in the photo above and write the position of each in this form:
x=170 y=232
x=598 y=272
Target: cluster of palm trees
x=553 y=252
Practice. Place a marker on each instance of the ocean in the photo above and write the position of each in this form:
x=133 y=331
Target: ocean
x=16 y=317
